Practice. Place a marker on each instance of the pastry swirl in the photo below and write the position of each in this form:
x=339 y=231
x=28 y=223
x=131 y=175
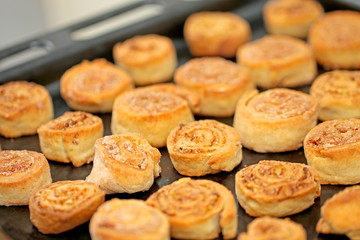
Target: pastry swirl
x=21 y=173
x=197 y=209
x=71 y=137
x=129 y=220
x=64 y=205
x=274 y=188
x=204 y=147
x=124 y=163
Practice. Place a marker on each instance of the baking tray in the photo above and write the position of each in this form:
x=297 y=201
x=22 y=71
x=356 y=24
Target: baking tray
x=15 y=222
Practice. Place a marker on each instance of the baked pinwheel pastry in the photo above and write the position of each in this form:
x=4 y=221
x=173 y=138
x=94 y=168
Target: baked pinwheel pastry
x=338 y=94
x=341 y=214
x=219 y=83
x=278 y=61
x=204 y=147
x=71 y=137
x=216 y=33
x=129 y=220
x=148 y=59
x=93 y=86
x=276 y=120
x=291 y=17
x=197 y=209
x=64 y=205
x=333 y=149
x=24 y=106
x=124 y=163
x=266 y=228
x=21 y=174
x=275 y=188
x=335 y=39
x=153 y=114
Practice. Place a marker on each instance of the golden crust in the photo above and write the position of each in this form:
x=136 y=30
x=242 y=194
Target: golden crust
x=276 y=120
x=333 y=149
x=275 y=188
x=335 y=39
x=24 y=106
x=278 y=61
x=204 y=147
x=215 y=33
x=93 y=86
x=129 y=220
x=64 y=205
x=273 y=228
x=71 y=137
x=340 y=214
x=124 y=163
x=338 y=94
x=219 y=83
x=197 y=209
x=21 y=174
x=153 y=114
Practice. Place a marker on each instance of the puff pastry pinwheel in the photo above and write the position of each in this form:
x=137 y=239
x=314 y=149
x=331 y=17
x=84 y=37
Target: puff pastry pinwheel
x=204 y=147
x=129 y=220
x=21 y=174
x=71 y=137
x=64 y=205
x=197 y=209
x=124 y=163
x=275 y=188
x=24 y=106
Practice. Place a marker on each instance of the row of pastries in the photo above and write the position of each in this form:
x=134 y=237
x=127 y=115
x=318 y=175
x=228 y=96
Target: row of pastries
x=162 y=115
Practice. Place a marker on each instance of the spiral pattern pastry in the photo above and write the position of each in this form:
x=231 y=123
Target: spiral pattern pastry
x=151 y=113
x=124 y=163
x=275 y=120
x=204 y=147
x=93 y=86
x=338 y=94
x=71 y=137
x=274 y=229
x=333 y=149
x=21 y=174
x=197 y=209
x=129 y=220
x=341 y=214
x=278 y=189
x=24 y=106
x=64 y=205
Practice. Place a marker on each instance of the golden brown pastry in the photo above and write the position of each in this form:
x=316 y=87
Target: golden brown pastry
x=129 y=220
x=215 y=33
x=24 y=106
x=341 y=214
x=338 y=94
x=71 y=137
x=291 y=17
x=335 y=39
x=204 y=147
x=269 y=228
x=197 y=209
x=21 y=174
x=219 y=83
x=64 y=205
x=93 y=86
x=148 y=59
x=153 y=114
x=278 y=61
x=333 y=149
x=276 y=120
x=275 y=188
x=124 y=163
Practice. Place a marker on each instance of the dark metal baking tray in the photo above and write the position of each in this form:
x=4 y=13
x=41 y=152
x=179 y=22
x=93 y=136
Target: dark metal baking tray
x=15 y=222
